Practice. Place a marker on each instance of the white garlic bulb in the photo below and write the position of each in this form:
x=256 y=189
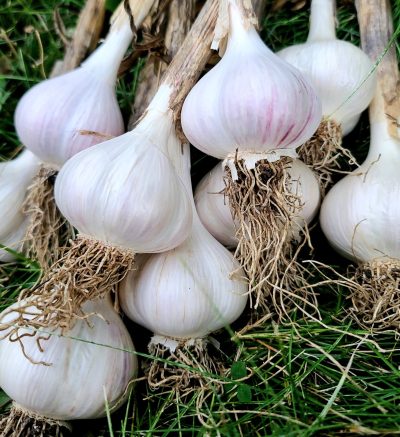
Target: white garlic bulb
x=15 y=178
x=361 y=213
x=59 y=117
x=187 y=292
x=213 y=208
x=94 y=360
x=215 y=214
x=15 y=240
x=125 y=191
x=251 y=101
x=344 y=92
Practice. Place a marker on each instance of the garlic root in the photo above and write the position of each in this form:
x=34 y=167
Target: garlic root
x=47 y=230
x=87 y=271
x=21 y=422
x=376 y=295
x=264 y=208
x=323 y=151
x=173 y=373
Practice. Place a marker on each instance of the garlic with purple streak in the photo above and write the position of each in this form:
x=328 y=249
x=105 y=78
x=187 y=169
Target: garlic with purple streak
x=253 y=110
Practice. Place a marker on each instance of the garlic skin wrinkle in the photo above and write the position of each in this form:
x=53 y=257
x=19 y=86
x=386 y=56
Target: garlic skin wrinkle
x=93 y=360
x=59 y=117
x=125 y=191
x=190 y=291
x=214 y=212
x=15 y=178
x=339 y=71
x=361 y=213
x=251 y=101
x=187 y=292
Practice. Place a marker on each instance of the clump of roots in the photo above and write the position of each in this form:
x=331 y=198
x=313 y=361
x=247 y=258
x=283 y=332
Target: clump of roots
x=376 y=295
x=89 y=270
x=20 y=422
x=185 y=368
x=323 y=152
x=269 y=238
x=47 y=229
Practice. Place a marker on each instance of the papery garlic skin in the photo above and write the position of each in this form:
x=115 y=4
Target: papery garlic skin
x=215 y=213
x=188 y=292
x=251 y=100
x=15 y=178
x=93 y=360
x=62 y=116
x=14 y=240
x=59 y=117
x=360 y=209
x=345 y=92
x=125 y=191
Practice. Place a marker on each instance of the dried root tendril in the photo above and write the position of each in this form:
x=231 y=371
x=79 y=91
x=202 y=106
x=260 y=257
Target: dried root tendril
x=20 y=422
x=264 y=209
x=375 y=295
x=89 y=270
x=178 y=373
x=322 y=152
x=47 y=229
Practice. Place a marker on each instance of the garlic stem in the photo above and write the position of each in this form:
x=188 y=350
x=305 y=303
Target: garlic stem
x=322 y=20
x=119 y=37
x=85 y=38
x=194 y=53
x=376 y=27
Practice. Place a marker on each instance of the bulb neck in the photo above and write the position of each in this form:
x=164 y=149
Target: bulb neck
x=27 y=159
x=242 y=33
x=107 y=58
x=322 y=20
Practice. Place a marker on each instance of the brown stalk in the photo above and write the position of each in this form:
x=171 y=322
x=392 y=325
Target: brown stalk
x=192 y=57
x=180 y=15
x=376 y=29
x=86 y=36
x=375 y=286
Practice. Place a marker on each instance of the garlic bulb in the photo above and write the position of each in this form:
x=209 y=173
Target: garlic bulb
x=360 y=214
x=253 y=109
x=15 y=178
x=215 y=214
x=125 y=191
x=251 y=101
x=123 y=196
x=186 y=292
x=61 y=116
x=75 y=374
x=15 y=241
x=344 y=92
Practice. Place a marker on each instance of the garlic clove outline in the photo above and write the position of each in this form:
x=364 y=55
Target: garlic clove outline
x=344 y=92
x=215 y=214
x=365 y=227
x=251 y=100
x=94 y=359
x=190 y=291
x=61 y=116
x=187 y=292
x=15 y=178
x=125 y=191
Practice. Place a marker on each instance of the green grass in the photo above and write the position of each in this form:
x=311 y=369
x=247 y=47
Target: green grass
x=304 y=379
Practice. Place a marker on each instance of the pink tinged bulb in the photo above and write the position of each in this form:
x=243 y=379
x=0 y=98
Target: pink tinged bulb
x=251 y=100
